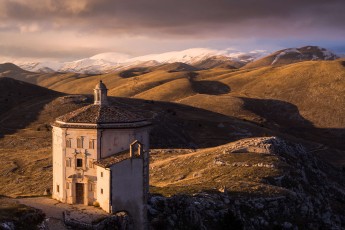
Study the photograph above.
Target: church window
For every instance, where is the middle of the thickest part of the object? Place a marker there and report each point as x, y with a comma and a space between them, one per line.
79, 162
80, 142
91, 166
68, 143
68, 162
57, 188
91, 144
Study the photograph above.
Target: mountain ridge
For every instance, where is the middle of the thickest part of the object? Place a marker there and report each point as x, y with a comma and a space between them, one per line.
202, 58
112, 61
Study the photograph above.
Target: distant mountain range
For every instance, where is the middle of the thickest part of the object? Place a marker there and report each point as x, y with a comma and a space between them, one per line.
201, 58
109, 62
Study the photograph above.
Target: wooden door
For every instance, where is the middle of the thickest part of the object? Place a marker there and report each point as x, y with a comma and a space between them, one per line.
79, 193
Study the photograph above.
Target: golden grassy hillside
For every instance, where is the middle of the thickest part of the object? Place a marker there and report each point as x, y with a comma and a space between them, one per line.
303, 99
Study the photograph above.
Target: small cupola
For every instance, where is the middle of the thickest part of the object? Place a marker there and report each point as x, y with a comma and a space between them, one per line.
100, 94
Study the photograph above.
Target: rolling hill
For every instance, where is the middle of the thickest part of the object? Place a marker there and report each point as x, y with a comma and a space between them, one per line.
302, 99
242, 139
293, 55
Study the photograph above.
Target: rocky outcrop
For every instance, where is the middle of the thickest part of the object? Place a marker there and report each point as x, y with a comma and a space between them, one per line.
314, 196
118, 221
17, 216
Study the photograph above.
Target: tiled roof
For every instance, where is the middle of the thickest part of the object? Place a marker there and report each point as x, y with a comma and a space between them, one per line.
108, 161
97, 114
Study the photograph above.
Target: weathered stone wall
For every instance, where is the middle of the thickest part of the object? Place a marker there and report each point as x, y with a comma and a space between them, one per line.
58, 163
128, 193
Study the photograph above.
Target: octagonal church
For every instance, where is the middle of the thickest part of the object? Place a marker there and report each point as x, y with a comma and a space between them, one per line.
101, 155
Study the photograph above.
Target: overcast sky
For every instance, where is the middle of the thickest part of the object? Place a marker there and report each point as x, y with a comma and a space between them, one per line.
71, 29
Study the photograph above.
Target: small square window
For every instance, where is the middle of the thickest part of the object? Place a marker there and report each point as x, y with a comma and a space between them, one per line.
79, 162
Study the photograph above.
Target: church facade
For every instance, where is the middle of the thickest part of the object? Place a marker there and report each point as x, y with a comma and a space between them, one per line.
101, 156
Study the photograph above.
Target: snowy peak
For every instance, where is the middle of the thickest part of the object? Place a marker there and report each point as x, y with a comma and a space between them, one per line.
112, 61
292, 55
201, 58
306, 53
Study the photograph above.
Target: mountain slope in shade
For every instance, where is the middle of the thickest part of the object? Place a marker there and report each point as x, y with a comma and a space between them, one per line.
11, 68
14, 92
110, 62
293, 55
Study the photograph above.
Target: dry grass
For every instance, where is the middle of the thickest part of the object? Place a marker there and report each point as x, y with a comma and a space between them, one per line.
211, 169
308, 95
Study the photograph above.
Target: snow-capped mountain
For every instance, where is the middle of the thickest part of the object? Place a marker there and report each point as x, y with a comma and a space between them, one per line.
202, 58
108, 62
292, 55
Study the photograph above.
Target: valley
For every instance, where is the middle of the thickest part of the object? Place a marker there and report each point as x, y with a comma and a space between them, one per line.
258, 132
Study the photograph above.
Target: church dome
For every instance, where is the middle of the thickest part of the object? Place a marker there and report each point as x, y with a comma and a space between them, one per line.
101, 115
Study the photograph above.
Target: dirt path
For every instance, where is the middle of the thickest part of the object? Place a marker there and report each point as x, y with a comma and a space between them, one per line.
54, 209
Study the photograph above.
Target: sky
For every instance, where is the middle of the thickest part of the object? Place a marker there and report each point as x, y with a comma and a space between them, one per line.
72, 29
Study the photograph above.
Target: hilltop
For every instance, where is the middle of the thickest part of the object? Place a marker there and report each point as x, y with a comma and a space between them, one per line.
112, 61
293, 55
302, 99
205, 145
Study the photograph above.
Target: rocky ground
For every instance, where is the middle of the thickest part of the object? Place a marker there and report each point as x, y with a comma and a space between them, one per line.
312, 195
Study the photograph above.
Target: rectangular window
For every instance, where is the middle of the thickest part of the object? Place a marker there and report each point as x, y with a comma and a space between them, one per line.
101, 191
101, 174
68, 143
68, 162
91, 166
79, 162
92, 144
80, 143
57, 188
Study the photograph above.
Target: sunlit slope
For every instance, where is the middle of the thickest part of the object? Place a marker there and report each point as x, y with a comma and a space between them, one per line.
316, 88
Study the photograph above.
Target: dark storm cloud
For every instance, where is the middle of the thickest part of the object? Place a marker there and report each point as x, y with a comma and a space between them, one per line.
175, 16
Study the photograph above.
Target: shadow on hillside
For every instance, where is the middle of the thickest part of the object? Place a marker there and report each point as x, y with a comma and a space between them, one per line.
210, 87
133, 72
21, 103
182, 126
206, 86
175, 125
22, 115
285, 117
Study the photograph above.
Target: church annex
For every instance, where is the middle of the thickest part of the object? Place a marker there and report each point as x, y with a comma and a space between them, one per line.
101, 156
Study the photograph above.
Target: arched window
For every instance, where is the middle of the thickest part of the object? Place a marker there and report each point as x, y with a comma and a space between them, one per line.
80, 141
68, 143
92, 144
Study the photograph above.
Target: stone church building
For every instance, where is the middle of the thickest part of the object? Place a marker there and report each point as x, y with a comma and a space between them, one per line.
101, 156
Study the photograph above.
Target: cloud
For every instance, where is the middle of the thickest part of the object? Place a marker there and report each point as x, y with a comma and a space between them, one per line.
173, 16
183, 20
